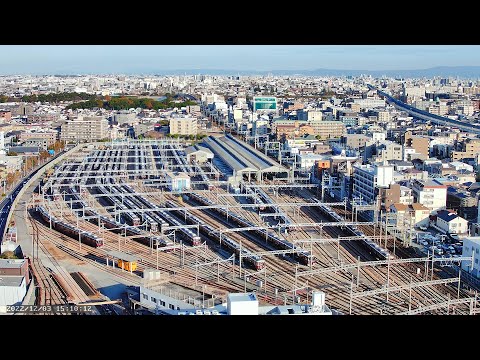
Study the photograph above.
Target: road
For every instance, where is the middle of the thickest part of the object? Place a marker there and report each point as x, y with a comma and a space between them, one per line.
424, 115
6, 204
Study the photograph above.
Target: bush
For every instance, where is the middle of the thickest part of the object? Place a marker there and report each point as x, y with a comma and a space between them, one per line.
8, 255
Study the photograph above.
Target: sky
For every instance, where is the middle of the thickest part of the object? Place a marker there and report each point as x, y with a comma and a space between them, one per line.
138, 59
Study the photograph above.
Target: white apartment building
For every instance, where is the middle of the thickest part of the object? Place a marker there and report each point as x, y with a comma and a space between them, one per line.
366, 178
87, 128
183, 126
471, 245
430, 193
311, 115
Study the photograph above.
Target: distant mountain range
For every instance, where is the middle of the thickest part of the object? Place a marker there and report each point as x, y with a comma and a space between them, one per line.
444, 71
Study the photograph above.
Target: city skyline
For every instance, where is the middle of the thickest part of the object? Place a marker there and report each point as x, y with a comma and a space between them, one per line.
145, 59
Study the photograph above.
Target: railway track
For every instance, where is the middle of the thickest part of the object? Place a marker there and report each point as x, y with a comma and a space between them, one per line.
282, 282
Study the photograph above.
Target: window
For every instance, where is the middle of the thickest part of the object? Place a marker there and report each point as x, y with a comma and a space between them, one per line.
476, 250
476, 261
145, 296
171, 307
162, 303
153, 299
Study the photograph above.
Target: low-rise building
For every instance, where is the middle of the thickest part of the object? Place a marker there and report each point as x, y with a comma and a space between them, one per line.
451, 223
412, 215
198, 153
177, 181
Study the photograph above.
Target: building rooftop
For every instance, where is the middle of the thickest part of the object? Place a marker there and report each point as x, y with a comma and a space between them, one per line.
446, 215
11, 280
418, 206
11, 263
24, 149
430, 183
121, 255
475, 239
240, 156
197, 147
242, 297
400, 206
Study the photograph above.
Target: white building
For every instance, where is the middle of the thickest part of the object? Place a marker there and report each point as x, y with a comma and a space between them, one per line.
378, 136
242, 304
369, 103
309, 115
471, 245
430, 193
450, 222
177, 181
307, 161
366, 178
87, 128
12, 291
458, 165
2, 143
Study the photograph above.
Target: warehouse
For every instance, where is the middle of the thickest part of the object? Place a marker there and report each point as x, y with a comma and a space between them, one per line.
198, 153
243, 159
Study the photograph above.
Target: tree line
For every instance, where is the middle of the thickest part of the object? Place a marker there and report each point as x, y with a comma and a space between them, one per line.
124, 103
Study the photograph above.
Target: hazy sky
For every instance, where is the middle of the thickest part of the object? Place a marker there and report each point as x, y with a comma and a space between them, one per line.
80, 59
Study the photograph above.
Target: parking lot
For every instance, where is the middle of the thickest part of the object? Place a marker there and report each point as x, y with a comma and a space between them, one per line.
440, 244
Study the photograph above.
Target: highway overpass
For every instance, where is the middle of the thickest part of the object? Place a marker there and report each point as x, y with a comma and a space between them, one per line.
424, 115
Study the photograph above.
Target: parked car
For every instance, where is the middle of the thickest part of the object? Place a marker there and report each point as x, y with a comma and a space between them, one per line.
453, 237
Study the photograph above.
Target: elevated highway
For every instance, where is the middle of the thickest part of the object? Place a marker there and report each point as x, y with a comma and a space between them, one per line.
424, 115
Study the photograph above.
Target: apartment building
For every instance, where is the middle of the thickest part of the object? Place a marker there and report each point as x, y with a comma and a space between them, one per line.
183, 126
309, 115
49, 136
469, 148
420, 144
411, 215
328, 129
87, 128
367, 178
430, 193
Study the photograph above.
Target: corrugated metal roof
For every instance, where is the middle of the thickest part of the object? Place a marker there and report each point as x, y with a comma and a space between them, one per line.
241, 156
230, 160
121, 255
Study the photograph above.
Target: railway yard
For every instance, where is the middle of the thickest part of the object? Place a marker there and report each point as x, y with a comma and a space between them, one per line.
263, 233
